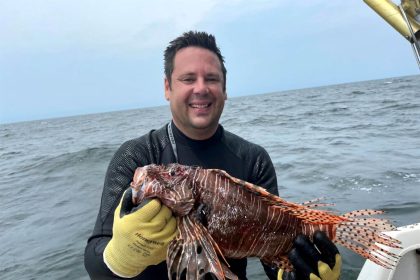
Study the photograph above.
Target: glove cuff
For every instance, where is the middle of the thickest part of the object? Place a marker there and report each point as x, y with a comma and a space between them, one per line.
118, 264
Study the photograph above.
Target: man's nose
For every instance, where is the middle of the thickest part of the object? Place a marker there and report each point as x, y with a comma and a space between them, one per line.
201, 86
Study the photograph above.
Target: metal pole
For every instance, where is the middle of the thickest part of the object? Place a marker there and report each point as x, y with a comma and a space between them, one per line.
414, 43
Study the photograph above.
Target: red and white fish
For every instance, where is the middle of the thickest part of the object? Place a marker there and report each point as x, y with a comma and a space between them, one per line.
220, 217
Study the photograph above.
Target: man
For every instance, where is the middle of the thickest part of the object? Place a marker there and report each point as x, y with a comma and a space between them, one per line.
132, 243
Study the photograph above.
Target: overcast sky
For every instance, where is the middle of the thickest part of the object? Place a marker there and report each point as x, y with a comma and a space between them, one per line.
60, 58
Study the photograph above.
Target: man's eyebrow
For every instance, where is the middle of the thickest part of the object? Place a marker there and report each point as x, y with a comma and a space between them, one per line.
187, 74
214, 74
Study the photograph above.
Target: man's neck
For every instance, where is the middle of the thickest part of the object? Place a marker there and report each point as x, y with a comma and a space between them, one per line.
196, 133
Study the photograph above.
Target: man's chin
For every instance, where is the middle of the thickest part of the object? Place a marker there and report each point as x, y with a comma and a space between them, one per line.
203, 125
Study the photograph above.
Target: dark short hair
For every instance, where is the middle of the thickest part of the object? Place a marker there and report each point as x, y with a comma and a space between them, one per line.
192, 39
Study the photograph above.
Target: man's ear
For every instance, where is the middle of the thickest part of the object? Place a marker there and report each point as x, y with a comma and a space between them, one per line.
167, 89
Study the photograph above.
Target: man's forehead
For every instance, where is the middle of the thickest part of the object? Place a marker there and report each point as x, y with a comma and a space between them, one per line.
192, 54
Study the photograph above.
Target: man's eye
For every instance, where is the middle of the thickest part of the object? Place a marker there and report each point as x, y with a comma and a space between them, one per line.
213, 79
187, 80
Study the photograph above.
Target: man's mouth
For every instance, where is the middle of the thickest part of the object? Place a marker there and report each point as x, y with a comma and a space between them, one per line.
200, 106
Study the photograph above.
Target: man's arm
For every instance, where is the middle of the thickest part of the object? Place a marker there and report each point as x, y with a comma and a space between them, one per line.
118, 177
265, 176
263, 172
141, 235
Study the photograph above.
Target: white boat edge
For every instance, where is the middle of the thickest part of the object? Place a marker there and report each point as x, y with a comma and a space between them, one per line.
408, 266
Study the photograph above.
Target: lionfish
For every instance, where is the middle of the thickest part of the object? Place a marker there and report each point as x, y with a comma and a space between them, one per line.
221, 217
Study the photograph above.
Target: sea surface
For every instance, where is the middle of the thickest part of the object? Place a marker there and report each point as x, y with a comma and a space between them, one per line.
357, 145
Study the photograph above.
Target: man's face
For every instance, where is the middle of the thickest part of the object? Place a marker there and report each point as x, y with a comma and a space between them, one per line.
196, 92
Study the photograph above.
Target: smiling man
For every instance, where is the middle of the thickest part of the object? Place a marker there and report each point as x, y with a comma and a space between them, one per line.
131, 242
196, 91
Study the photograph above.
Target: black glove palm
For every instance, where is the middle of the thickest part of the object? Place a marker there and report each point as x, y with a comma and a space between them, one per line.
322, 262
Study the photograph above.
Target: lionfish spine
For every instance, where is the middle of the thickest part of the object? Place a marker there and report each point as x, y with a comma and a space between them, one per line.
315, 203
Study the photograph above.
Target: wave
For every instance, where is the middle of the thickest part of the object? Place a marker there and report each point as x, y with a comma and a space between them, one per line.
7, 135
342, 127
358, 92
46, 164
10, 155
338, 109
404, 176
388, 101
402, 208
404, 106
359, 183
404, 87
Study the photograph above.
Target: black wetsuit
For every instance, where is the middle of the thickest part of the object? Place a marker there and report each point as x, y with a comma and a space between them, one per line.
223, 150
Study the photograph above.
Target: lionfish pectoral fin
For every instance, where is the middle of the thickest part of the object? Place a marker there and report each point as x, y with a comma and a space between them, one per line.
194, 253
364, 235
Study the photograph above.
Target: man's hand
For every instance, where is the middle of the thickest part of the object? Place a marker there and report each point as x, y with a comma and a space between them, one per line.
322, 262
140, 236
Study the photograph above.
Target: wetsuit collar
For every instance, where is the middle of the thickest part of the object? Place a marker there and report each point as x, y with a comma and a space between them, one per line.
176, 136
181, 138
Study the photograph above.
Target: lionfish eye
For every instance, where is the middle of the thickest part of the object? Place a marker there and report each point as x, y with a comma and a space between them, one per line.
172, 172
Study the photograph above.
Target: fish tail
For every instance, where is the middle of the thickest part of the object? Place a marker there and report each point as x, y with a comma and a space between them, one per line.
364, 236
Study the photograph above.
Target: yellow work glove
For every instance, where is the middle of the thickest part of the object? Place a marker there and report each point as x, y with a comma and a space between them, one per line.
320, 263
140, 236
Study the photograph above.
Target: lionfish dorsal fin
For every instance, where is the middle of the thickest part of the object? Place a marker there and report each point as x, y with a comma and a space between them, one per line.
194, 254
261, 192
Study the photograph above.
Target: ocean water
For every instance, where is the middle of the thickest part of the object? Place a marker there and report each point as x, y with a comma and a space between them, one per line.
356, 144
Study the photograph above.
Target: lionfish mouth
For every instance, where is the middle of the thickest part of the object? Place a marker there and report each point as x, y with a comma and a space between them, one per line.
138, 192
138, 185
144, 189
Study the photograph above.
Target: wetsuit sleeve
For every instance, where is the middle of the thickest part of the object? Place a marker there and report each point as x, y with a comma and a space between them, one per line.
265, 176
117, 179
